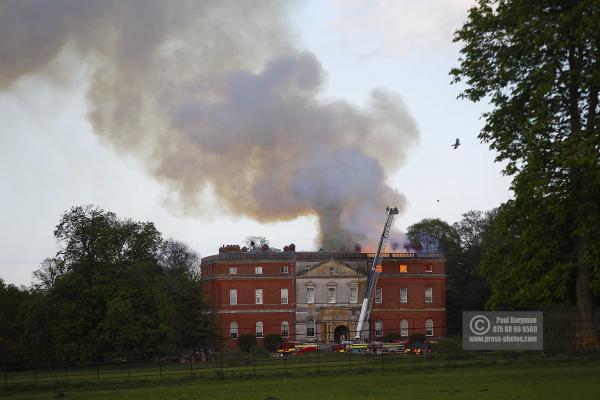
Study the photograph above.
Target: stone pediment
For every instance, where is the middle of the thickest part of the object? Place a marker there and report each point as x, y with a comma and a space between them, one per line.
331, 269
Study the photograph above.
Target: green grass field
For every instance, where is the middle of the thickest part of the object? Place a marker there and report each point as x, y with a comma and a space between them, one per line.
572, 380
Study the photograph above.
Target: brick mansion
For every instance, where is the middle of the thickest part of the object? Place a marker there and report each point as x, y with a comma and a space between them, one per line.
317, 296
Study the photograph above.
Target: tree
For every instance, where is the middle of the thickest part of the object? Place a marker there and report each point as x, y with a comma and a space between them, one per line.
115, 288
537, 63
90, 234
50, 270
256, 242
11, 299
177, 256
441, 237
474, 288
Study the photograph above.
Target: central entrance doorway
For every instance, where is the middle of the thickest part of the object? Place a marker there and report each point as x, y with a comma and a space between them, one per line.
340, 334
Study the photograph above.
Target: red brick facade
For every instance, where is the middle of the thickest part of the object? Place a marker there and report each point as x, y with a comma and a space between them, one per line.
248, 292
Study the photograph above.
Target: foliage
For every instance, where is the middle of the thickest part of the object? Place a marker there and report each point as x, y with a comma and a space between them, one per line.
391, 337
115, 289
11, 299
462, 245
246, 342
272, 341
537, 63
418, 337
256, 242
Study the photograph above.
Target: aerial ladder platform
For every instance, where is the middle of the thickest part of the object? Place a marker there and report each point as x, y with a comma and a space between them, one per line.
374, 272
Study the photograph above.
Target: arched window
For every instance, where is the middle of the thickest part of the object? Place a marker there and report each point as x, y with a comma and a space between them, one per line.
233, 330
310, 327
429, 327
404, 328
285, 329
259, 329
378, 328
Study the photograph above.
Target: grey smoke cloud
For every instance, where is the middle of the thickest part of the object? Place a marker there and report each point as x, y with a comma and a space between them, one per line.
217, 95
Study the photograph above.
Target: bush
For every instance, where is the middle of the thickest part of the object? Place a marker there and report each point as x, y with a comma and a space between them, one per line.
418, 337
246, 343
447, 345
272, 341
391, 337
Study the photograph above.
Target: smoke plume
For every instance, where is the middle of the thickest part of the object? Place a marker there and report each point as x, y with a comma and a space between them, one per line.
215, 95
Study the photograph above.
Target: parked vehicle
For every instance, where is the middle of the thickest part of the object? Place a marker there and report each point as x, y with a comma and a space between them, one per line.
418, 348
286, 348
306, 348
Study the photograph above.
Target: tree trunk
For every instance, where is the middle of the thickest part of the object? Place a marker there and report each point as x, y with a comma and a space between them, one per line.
586, 335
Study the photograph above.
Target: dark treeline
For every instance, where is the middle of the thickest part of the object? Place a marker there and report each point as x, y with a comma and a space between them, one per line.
462, 244
115, 289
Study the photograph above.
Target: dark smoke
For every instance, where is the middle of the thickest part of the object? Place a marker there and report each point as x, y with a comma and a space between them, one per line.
215, 95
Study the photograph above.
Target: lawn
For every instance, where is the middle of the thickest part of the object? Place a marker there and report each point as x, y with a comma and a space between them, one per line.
572, 381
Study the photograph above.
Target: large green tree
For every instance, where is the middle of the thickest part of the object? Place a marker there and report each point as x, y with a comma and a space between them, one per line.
462, 246
115, 288
537, 64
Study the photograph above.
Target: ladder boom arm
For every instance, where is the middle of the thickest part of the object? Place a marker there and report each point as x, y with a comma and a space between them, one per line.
373, 276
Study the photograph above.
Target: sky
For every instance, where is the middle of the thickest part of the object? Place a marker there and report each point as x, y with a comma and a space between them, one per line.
52, 156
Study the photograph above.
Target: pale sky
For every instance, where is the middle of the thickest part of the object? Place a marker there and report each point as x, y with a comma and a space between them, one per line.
50, 159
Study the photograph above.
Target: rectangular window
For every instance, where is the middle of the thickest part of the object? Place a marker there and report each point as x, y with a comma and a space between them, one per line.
310, 328
232, 270
233, 296
379, 328
233, 330
284, 296
428, 295
403, 295
353, 294
403, 268
258, 270
285, 329
283, 269
331, 295
259, 296
310, 294
429, 268
378, 295
429, 327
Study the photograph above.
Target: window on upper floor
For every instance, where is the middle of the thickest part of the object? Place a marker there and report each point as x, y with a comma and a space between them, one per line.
403, 295
283, 269
429, 268
310, 294
258, 270
284, 296
331, 294
403, 268
378, 295
353, 294
233, 296
258, 295
428, 295
232, 270
259, 329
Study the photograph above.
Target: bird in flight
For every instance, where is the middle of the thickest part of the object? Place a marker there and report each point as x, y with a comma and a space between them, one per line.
456, 144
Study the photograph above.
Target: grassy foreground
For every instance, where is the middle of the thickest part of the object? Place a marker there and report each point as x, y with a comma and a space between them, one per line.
500, 382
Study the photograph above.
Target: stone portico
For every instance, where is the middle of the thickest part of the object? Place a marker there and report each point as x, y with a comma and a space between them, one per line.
328, 300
